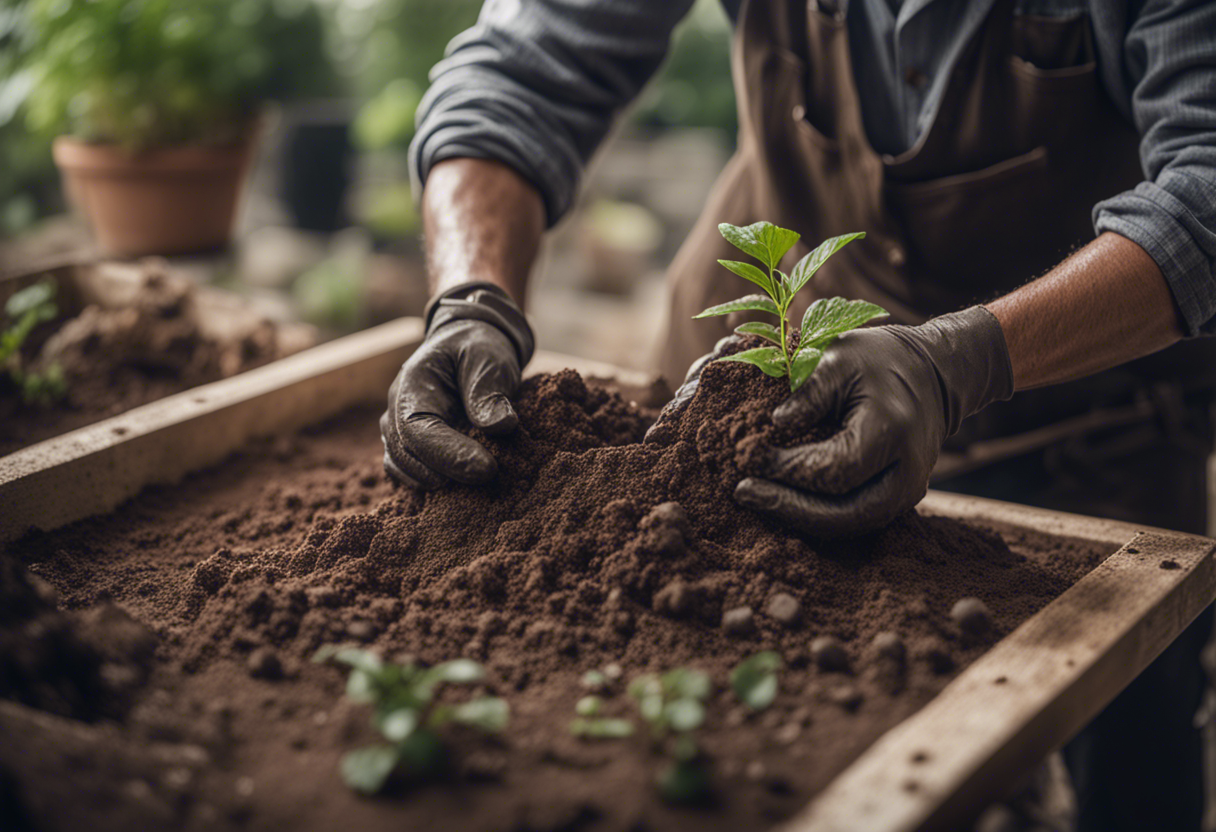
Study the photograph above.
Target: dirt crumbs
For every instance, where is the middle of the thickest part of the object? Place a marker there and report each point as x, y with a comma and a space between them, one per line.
589, 550
146, 335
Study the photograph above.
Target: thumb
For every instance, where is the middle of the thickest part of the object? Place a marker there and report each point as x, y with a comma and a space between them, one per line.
489, 375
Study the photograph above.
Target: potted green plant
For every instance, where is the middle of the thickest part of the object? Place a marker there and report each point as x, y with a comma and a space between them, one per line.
156, 103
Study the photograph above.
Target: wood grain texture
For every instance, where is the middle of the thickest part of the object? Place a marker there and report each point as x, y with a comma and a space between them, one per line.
94, 469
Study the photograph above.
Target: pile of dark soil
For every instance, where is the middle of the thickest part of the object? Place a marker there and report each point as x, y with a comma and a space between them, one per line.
588, 549
115, 358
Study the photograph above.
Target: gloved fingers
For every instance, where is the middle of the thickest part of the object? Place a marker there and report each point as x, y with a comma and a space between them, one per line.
486, 384
869, 508
400, 464
444, 450
866, 445
823, 395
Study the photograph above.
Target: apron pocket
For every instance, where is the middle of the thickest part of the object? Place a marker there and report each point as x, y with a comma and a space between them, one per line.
788, 91
975, 234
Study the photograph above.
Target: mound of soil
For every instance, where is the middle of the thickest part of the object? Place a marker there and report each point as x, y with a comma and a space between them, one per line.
157, 341
588, 549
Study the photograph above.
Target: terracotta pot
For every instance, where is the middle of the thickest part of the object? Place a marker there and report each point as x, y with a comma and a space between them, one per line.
169, 200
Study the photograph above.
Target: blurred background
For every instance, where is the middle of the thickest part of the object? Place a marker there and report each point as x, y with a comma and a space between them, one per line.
326, 226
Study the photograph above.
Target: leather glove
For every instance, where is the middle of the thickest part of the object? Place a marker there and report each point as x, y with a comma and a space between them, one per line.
477, 343
898, 392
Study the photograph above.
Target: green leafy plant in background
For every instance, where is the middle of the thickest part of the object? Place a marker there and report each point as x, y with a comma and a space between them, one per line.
754, 680
824, 320
673, 706
24, 311
145, 73
406, 713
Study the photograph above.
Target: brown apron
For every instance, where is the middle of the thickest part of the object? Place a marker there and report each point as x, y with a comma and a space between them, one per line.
998, 190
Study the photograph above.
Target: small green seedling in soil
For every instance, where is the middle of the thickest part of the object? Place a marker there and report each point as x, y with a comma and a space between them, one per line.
24, 311
673, 706
407, 715
592, 724
824, 320
754, 680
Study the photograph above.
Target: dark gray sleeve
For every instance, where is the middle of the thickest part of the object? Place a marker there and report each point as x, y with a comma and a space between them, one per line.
536, 84
1169, 64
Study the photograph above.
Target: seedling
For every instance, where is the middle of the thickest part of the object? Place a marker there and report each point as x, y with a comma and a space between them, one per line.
406, 713
590, 723
24, 311
754, 680
672, 705
824, 320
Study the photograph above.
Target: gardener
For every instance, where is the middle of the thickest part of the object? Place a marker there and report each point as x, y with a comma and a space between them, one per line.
976, 143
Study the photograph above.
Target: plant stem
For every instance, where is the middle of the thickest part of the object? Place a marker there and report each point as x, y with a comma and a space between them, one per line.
783, 306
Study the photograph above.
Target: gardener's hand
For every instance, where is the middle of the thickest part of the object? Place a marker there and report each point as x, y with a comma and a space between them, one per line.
477, 342
899, 392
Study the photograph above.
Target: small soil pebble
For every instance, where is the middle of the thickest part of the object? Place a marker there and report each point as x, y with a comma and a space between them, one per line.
670, 514
675, 600
264, 663
848, 697
740, 621
934, 652
785, 608
972, 616
829, 654
788, 733
889, 646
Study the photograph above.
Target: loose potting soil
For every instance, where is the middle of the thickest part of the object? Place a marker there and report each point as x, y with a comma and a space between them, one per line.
588, 550
115, 359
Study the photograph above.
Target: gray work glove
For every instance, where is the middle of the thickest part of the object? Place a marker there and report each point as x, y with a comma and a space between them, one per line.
477, 343
898, 392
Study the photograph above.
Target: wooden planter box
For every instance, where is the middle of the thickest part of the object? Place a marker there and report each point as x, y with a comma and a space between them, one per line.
1025, 697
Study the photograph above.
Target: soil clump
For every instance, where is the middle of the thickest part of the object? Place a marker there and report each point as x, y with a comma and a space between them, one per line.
589, 549
159, 340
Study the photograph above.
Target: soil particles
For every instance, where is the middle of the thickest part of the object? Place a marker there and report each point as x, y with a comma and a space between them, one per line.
589, 550
115, 359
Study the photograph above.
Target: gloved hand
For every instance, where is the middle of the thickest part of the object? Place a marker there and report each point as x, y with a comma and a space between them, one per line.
477, 343
898, 391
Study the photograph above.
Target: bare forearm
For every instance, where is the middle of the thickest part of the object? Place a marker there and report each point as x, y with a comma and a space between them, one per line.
1105, 305
483, 222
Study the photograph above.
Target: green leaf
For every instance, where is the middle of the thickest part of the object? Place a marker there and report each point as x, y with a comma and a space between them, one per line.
29, 299
807, 266
458, 671
768, 359
684, 714
398, 724
366, 769
804, 362
751, 303
686, 683
762, 329
351, 657
749, 272
594, 679
489, 713
754, 680
648, 691
614, 729
588, 706
762, 240
828, 317
361, 686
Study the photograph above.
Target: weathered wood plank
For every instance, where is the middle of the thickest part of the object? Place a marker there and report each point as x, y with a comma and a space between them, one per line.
94, 469
1032, 691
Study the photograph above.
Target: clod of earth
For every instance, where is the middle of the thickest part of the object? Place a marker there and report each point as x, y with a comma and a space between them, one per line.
830, 655
972, 616
785, 608
739, 622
